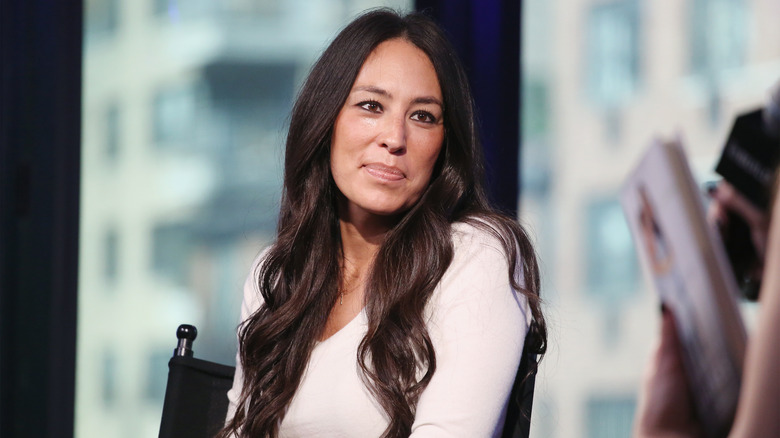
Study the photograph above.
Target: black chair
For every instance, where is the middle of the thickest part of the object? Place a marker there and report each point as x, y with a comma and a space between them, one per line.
196, 396
518, 412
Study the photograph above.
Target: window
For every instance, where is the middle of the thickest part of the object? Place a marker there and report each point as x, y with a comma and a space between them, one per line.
251, 100
112, 133
109, 387
252, 9
157, 374
718, 41
163, 7
536, 152
175, 9
174, 116
718, 35
610, 260
171, 248
612, 52
102, 17
536, 107
610, 417
111, 255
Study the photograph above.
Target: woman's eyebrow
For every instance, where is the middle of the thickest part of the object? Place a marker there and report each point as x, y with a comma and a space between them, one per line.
373, 89
428, 100
383, 92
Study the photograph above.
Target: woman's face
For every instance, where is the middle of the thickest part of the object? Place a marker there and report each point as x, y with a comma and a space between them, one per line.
389, 132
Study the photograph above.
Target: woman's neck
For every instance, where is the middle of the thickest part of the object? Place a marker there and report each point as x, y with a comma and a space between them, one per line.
360, 243
362, 233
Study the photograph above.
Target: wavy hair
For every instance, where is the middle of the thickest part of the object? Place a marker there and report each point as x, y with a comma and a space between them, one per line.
300, 274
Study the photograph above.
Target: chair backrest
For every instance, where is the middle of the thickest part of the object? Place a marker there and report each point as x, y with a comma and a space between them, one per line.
196, 394
521, 399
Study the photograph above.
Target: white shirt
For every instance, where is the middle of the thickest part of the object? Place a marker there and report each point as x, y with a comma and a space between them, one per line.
477, 324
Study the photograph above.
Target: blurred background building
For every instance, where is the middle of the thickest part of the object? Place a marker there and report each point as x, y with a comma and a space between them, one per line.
601, 78
185, 105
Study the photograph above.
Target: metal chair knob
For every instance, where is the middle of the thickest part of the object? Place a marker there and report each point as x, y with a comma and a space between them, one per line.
186, 334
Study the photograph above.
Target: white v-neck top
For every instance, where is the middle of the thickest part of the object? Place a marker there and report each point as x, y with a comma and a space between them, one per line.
477, 323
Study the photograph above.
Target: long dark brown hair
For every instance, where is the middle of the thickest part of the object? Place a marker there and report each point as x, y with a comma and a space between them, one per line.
300, 274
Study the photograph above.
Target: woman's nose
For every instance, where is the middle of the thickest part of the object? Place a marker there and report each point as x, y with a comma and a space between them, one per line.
394, 135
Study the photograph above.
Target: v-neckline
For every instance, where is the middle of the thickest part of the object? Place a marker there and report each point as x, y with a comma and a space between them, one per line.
343, 329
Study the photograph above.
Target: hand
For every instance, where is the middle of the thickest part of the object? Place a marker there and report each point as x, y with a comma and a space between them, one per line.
744, 229
725, 199
666, 405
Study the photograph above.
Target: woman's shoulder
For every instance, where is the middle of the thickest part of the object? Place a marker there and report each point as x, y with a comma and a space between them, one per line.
480, 274
257, 266
480, 236
261, 258
481, 251
253, 299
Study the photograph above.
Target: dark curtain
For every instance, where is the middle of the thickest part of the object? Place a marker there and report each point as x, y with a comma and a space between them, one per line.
486, 34
40, 122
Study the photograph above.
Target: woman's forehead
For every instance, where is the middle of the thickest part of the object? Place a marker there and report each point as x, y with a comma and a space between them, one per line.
398, 66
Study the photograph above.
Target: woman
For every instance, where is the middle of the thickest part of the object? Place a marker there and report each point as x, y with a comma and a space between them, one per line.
394, 300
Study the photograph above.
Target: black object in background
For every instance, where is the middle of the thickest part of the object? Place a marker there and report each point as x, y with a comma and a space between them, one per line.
749, 163
742, 254
750, 158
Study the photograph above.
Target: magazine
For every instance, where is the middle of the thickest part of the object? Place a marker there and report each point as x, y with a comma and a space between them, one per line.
688, 267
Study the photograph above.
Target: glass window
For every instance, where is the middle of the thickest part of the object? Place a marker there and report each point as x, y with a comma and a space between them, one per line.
170, 252
536, 105
112, 132
110, 373
712, 52
189, 102
157, 374
163, 7
176, 10
111, 256
174, 115
102, 17
610, 260
537, 177
610, 417
613, 51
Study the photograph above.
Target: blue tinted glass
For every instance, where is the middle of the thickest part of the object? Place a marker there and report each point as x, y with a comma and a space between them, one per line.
609, 417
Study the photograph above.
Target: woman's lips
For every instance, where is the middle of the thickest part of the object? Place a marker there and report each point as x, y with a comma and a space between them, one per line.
386, 173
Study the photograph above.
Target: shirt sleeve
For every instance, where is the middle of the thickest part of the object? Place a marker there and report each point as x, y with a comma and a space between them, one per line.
478, 326
249, 305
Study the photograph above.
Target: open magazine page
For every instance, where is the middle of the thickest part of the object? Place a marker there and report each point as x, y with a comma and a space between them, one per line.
686, 263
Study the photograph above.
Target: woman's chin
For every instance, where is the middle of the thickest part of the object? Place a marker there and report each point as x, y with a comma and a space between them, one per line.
378, 213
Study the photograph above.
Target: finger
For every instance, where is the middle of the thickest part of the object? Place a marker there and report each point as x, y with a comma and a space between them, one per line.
717, 216
731, 199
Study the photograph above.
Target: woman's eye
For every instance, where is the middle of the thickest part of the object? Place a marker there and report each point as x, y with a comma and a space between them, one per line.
424, 116
371, 105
